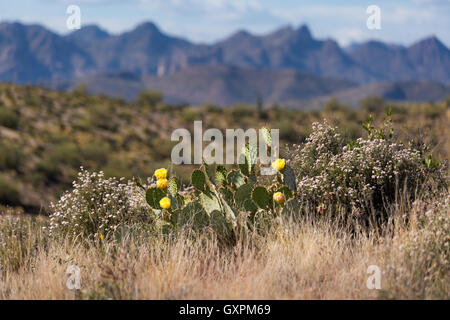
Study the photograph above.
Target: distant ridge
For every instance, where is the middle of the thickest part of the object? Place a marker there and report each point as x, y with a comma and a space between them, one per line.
289, 56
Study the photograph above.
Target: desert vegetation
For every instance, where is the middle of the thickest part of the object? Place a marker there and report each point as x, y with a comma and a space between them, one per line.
352, 188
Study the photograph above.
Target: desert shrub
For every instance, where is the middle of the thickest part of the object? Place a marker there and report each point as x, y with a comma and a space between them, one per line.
162, 148
149, 98
47, 168
364, 176
333, 105
240, 111
8, 118
190, 115
287, 131
66, 153
9, 193
432, 110
96, 207
96, 152
211, 108
118, 166
100, 116
372, 103
11, 156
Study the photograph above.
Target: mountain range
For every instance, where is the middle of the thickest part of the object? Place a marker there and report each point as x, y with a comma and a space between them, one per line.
286, 65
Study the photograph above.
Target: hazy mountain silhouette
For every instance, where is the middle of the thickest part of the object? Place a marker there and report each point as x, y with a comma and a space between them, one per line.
233, 69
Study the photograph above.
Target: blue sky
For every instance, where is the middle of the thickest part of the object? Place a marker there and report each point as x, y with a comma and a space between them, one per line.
402, 21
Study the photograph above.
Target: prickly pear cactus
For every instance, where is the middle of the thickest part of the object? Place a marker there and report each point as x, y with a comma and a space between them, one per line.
289, 178
210, 172
227, 200
209, 202
198, 180
236, 178
243, 198
153, 196
261, 197
173, 186
221, 176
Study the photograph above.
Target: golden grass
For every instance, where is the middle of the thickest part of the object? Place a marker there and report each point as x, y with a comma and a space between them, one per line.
293, 261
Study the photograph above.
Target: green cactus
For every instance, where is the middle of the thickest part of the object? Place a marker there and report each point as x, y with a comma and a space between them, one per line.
247, 159
221, 175
173, 186
193, 213
243, 198
176, 202
198, 180
153, 196
219, 223
286, 191
225, 200
227, 195
229, 214
244, 166
210, 202
252, 178
236, 178
210, 170
261, 197
289, 178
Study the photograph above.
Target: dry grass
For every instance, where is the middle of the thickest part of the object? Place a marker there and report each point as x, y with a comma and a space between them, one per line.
295, 260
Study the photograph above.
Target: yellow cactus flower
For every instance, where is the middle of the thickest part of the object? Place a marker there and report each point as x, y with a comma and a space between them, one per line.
161, 173
165, 203
279, 164
102, 237
279, 197
162, 183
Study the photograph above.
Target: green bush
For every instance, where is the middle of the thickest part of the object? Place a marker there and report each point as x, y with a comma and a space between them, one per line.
238, 112
100, 116
9, 193
49, 169
96, 152
66, 153
372, 103
11, 156
190, 115
9, 118
149, 98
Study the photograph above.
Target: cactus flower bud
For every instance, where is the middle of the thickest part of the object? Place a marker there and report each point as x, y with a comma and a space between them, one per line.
279, 197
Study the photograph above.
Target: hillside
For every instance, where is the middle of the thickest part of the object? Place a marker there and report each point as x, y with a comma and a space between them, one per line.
45, 136
229, 85
221, 85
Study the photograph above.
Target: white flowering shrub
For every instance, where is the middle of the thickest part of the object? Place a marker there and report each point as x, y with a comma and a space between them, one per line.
419, 260
363, 177
97, 206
